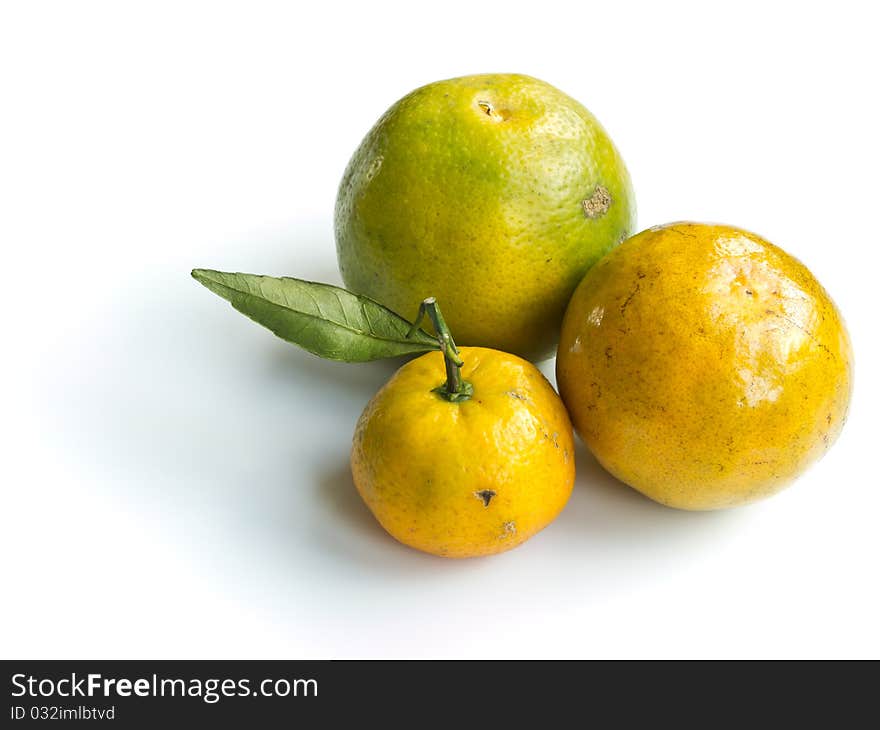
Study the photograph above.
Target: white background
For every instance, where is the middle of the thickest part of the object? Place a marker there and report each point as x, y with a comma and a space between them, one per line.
175, 479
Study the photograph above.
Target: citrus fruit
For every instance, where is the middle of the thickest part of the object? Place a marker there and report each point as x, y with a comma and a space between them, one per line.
466, 477
704, 366
494, 192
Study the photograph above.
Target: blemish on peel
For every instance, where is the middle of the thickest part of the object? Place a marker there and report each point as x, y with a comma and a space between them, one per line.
598, 203
374, 167
485, 495
629, 298
490, 111
508, 529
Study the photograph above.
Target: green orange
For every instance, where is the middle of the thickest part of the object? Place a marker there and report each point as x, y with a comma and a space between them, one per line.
494, 193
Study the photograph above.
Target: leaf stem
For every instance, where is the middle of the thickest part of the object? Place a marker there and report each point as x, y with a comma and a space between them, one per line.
455, 389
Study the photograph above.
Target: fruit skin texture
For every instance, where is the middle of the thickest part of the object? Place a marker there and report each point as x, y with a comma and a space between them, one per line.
473, 190
704, 366
471, 478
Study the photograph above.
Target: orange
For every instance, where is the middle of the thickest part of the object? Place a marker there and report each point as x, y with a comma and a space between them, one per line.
704, 366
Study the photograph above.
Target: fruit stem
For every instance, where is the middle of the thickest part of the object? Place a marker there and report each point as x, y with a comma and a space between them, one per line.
455, 389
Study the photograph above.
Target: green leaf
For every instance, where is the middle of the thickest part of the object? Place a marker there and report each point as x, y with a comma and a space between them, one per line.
325, 320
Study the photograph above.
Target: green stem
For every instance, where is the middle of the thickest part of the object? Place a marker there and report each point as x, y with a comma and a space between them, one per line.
455, 389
